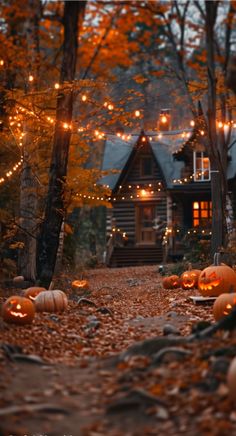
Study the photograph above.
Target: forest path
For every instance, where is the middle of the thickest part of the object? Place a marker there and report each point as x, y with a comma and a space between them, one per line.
83, 387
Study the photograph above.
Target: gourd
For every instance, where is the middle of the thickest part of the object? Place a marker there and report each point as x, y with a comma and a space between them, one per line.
18, 310
171, 282
32, 292
217, 279
51, 301
223, 305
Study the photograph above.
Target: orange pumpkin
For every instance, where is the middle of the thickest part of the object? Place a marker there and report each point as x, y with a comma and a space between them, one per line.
80, 285
32, 292
51, 301
189, 279
18, 310
217, 279
223, 305
171, 282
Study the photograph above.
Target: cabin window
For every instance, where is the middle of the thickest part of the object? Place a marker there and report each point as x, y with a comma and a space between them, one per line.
202, 213
146, 166
201, 166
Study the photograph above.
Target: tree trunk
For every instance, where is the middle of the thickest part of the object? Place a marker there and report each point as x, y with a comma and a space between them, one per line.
28, 193
216, 149
49, 235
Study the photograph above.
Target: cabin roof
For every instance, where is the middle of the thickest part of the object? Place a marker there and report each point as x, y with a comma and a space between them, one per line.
117, 152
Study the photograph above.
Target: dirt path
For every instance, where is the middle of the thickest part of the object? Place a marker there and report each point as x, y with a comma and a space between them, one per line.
83, 389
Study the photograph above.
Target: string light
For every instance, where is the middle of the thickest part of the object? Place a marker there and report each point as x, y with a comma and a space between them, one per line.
31, 78
11, 171
137, 113
84, 97
56, 86
1, 62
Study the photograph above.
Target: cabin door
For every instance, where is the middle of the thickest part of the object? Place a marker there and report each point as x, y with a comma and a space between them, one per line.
145, 234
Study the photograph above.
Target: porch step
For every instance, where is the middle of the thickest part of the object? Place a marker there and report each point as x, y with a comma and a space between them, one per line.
134, 256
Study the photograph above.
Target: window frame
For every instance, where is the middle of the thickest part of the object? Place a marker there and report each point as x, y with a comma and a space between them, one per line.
142, 159
202, 177
198, 218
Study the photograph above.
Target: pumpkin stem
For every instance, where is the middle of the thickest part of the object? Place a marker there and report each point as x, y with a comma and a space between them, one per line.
216, 260
189, 266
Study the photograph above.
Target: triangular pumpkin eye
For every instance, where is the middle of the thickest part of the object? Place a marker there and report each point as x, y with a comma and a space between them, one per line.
212, 275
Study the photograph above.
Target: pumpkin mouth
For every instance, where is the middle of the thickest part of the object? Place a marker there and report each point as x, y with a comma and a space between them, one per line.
188, 284
210, 285
18, 314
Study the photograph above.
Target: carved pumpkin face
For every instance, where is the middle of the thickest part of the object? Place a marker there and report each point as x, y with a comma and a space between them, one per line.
216, 280
189, 279
32, 292
80, 284
18, 310
223, 305
171, 282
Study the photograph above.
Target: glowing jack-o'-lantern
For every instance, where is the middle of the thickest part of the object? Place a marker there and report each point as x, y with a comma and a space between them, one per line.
32, 292
217, 279
223, 305
80, 285
171, 282
189, 279
18, 310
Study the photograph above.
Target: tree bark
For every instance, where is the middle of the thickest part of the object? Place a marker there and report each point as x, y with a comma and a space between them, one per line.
28, 184
217, 151
50, 230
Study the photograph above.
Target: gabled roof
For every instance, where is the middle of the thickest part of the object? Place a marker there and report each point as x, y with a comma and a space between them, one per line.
117, 152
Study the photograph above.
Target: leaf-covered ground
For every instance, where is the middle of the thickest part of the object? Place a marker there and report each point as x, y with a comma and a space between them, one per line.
87, 384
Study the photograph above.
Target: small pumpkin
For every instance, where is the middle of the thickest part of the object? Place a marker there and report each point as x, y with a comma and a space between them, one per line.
51, 301
189, 278
223, 305
79, 285
32, 292
171, 282
18, 310
217, 279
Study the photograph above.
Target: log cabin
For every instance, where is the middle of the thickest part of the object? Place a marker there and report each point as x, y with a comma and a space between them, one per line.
161, 191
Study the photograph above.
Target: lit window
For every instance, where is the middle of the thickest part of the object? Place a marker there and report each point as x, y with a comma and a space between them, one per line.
201, 166
202, 213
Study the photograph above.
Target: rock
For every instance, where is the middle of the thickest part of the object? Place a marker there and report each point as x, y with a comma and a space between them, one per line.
169, 329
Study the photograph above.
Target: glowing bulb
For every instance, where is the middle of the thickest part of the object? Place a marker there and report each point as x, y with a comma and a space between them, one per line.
66, 126
1, 62
110, 107
84, 97
163, 119
192, 123
202, 132
137, 113
31, 78
220, 124
56, 86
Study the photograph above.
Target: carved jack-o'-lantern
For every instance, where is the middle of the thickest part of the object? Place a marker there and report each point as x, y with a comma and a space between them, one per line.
18, 310
189, 279
80, 285
32, 292
171, 282
217, 279
223, 305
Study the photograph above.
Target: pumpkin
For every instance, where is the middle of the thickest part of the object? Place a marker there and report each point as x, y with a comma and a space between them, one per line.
217, 279
18, 310
223, 305
32, 292
231, 379
171, 282
80, 285
189, 278
51, 301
